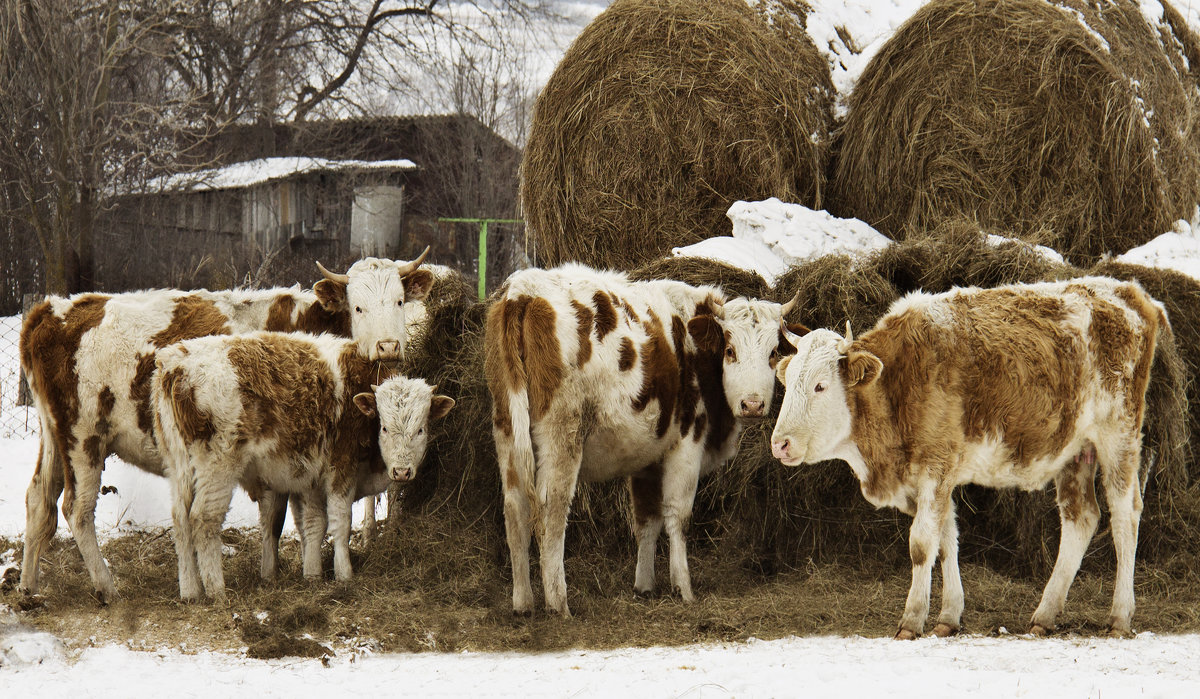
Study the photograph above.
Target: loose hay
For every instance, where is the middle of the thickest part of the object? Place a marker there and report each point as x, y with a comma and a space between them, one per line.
1012, 113
661, 115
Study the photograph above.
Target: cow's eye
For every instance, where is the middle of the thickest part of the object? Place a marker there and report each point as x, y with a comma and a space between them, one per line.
819, 387
400, 302
421, 431
730, 354
384, 430
358, 309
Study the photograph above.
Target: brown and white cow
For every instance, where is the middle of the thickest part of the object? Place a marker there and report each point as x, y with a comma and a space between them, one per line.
1007, 387
290, 413
88, 361
596, 377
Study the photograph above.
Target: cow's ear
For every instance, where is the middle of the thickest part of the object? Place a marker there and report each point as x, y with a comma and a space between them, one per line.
439, 406
707, 333
366, 403
331, 295
781, 368
417, 285
798, 329
860, 368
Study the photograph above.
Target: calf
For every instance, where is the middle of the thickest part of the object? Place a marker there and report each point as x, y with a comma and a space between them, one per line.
291, 413
88, 361
1013, 386
594, 376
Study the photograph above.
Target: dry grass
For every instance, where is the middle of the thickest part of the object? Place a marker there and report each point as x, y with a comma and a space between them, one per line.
1010, 113
421, 589
661, 115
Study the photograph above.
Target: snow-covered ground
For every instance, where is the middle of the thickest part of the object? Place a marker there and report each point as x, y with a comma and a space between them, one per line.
33, 663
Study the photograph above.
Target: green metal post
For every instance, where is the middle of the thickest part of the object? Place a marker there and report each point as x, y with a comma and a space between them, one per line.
483, 259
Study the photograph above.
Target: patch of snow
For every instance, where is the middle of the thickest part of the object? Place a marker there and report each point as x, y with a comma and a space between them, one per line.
1177, 249
22, 647
255, 172
1086, 27
771, 236
986, 668
745, 254
850, 32
1048, 253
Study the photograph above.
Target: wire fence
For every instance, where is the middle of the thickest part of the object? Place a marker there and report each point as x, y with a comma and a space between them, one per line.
18, 419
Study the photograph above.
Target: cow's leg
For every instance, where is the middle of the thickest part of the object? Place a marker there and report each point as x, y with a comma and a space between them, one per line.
1123, 491
646, 492
680, 473
272, 513
314, 524
191, 589
923, 543
1079, 514
952, 589
214, 490
369, 523
88, 468
41, 510
339, 509
557, 475
517, 515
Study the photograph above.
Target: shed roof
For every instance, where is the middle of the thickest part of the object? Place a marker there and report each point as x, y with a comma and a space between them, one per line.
262, 170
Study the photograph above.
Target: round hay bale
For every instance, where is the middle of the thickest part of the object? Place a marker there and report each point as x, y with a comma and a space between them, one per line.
659, 117
1016, 115
698, 271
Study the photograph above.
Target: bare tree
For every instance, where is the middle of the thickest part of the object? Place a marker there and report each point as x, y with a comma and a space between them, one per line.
69, 128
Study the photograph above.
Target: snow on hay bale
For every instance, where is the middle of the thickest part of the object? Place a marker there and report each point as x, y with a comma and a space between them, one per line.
662, 114
1070, 125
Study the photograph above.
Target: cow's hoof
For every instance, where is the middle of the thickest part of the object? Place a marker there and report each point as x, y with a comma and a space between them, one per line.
943, 630
643, 594
906, 635
523, 613
1039, 630
1119, 633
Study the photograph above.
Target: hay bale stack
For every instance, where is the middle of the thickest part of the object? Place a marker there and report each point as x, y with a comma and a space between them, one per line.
661, 115
1014, 114
699, 270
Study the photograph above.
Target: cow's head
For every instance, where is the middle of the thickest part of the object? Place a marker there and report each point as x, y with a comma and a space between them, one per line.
749, 336
405, 408
373, 292
815, 417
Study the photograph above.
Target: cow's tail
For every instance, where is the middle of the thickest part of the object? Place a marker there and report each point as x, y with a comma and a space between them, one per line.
170, 422
508, 380
1166, 427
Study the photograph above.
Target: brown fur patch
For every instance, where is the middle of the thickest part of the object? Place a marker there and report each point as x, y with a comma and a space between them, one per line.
626, 355
194, 423
48, 347
606, 315
191, 317
1075, 490
279, 315
645, 489
660, 374
583, 318
356, 436
315, 318
543, 362
501, 362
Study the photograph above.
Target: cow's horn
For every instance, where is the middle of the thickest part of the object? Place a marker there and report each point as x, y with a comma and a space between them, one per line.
406, 268
787, 307
844, 345
331, 276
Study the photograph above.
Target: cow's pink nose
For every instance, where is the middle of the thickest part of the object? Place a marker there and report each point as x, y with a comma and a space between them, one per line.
752, 407
402, 474
780, 449
388, 348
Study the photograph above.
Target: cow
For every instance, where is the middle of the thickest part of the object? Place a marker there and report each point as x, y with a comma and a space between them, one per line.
1014, 386
594, 376
290, 413
88, 360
